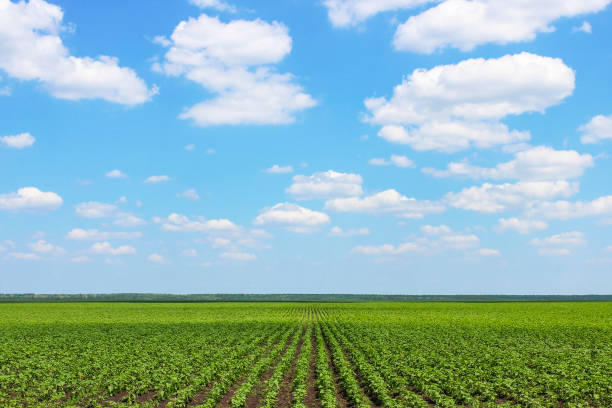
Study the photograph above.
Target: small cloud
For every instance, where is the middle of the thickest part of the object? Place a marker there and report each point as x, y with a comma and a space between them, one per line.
395, 160
157, 258
80, 259
339, 232
161, 40
238, 256
488, 252
190, 194
190, 147
218, 5
554, 251
105, 248
276, 169
23, 256
42, 246
20, 141
210, 150
157, 179
585, 28
114, 174
363, 138
608, 248
189, 253
83, 183
122, 200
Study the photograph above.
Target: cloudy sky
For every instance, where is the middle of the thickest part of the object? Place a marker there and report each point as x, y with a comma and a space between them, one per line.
353, 146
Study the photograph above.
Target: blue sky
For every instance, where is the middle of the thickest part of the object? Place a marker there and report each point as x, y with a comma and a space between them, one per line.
353, 146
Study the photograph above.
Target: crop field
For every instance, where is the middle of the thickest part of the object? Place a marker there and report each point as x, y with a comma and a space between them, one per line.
315, 355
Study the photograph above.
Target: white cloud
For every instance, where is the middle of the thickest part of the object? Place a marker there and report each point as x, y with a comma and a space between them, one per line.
435, 230
465, 24
537, 163
20, 141
94, 209
398, 161
115, 174
292, 217
487, 252
343, 13
42, 246
276, 169
157, 179
599, 128
387, 249
565, 209
178, 222
189, 194
491, 198
585, 28
189, 253
80, 259
572, 238
210, 151
234, 61
554, 251
238, 256
328, 184
190, 147
214, 4
452, 107
105, 248
32, 50
30, 198
79, 234
23, 256
388, 201
608, 248
522, 226
339, 232
157, 258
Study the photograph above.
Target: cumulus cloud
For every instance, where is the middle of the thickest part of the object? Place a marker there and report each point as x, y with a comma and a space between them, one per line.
452, 107
339, 232
157, 179
105, 248
182, 223
189, 194
388, 201
276, 169
328, 184
537, 163
599, 128
30, 198
395, 160
238, 256
42, 246
157, 258
31, 50
465, 24
435, 230
235, 61
20, 141
492, 198
387, 249
95, 209
292, 217
214, 4
564, 210
79, 234
116, 174
572, 238
522, 226
344, 13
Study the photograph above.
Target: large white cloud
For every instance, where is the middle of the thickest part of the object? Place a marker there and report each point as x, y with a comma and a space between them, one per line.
465, 24
235, 61
597, 129
328, 184
343, 13
20, 141
452, 107
292, 217
31, 49
537, 163
30, 198
492, 198
388, 201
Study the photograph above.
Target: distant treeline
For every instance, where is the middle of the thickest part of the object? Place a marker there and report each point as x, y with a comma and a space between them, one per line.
154, 297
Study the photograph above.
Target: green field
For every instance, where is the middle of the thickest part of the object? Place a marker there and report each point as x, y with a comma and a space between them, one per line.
531, 354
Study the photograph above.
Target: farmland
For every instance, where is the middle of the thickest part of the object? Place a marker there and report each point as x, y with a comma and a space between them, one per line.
322, 355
